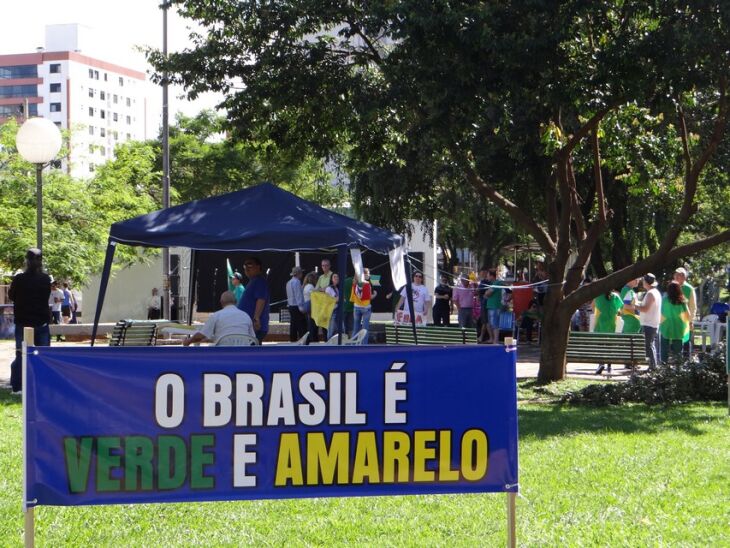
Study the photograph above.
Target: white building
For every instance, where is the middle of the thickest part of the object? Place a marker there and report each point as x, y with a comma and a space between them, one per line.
103, 104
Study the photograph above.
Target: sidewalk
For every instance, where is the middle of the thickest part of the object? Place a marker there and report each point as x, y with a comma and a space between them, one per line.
527, 363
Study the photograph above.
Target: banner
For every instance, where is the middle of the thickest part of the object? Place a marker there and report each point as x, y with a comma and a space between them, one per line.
133, 425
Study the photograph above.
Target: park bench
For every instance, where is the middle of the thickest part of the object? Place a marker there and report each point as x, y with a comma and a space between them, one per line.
132, 333
403, 334
624, 348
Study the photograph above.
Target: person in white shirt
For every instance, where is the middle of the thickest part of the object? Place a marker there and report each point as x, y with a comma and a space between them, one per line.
154, 306
227, 321
650, 316
421, 297
295, 304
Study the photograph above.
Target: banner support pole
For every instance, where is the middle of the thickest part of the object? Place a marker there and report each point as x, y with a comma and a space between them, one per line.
29, 513
511, 520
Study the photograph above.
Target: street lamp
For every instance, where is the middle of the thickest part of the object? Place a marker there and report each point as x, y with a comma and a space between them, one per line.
38, 141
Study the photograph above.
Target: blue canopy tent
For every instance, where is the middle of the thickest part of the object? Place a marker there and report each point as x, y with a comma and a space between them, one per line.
260, 218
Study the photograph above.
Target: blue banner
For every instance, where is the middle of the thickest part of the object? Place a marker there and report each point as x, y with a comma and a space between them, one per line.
132, 425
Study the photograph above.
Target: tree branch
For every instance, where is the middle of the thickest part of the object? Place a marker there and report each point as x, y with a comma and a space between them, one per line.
685, 142
583, 131
514, 211
357, 30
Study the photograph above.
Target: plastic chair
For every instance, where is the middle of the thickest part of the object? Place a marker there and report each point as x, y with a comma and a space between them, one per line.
358, 339
333, 340
237, 339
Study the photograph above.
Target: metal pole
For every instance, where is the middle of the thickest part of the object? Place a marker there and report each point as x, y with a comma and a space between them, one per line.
39, 206
167, 304
28, 511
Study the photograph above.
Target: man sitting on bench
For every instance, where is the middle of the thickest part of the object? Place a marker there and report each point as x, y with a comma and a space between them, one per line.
227, 321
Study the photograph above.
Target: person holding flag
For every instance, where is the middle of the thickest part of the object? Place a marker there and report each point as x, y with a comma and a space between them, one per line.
235, 282
362, 294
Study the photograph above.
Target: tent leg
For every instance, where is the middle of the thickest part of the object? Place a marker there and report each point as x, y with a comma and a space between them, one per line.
111, 247
342, 268
29, 527
409, 295
193, 280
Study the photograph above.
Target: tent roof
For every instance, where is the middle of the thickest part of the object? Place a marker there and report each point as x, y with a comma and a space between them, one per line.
260, 218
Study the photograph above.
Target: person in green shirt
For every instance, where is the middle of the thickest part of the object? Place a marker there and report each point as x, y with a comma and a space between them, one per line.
674, 326
491, 307
605, 311
235, 285
628, 314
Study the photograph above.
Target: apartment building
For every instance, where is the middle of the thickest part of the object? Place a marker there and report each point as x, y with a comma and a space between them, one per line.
102, 103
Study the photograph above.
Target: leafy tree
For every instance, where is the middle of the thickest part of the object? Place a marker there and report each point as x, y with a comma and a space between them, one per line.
517, 99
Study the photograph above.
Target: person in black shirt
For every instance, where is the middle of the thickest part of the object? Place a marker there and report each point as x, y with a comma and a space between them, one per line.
29, 292
442, 302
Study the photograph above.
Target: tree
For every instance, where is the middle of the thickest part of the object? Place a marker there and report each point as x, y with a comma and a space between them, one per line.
76, 213
514, 97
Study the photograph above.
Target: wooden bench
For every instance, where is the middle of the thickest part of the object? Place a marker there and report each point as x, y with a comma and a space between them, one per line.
625, 348
403, 334
131, 333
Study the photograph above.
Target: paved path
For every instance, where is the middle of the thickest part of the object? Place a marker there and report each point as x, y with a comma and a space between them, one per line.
527, 363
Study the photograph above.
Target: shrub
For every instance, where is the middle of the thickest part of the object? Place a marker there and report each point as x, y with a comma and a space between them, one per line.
705, 380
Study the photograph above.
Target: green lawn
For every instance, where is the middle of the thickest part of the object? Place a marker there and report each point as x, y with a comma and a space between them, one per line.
629, 476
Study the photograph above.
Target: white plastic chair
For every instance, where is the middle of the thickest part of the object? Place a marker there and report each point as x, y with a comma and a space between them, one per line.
358, 339
333, 340
237, 339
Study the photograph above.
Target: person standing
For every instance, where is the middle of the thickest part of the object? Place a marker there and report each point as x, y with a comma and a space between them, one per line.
649, 310
30, 291
349, 307
333, 290
605, 310
674, 327
67, 304
309, 281
421, 300
690, 296
361, 297
154, 305
235, 285
255, 300
463, 298
491, 306
295, 304
442, 294
323, 281
55, 302
628, 314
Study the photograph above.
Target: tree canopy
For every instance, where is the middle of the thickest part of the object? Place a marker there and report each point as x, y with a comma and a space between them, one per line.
586, 122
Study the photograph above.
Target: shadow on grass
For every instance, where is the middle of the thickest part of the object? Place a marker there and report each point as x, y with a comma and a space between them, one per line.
545, 420
6, 396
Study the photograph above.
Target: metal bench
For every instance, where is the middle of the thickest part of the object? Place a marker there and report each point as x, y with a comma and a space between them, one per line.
624, 348
132, 333
403, 334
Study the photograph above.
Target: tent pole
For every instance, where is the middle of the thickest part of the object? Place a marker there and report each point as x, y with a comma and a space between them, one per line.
111, 247
342, 271
409, 294
193, 279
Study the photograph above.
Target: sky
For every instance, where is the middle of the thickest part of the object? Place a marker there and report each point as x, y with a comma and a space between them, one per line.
119, 26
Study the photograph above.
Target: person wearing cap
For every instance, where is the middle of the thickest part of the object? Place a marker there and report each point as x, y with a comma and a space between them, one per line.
680, 276
295, 304
650, 315
235, 285
255, 300
29, 291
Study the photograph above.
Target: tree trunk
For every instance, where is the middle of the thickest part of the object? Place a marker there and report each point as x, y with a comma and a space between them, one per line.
554, 341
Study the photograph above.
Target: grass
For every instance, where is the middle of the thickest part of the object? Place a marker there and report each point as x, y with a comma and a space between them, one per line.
621, 476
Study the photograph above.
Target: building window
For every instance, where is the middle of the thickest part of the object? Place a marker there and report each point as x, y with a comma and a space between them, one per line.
55, 88
91, 92
129, 102
96, 75
19, 91
115, 98
91, 149
58, 124
121, 82
102, 95
128, 136
102, 132
17, 110
91, 111
92, 167
55, 107
55, 68
91, 73
115, 117
20, 71
116, 136
102, 113
91, 130
106, 76
129, 120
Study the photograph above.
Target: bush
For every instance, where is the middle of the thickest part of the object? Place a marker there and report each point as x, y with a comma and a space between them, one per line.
705, 380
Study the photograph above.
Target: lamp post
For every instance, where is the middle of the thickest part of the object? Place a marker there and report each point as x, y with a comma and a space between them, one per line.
38, 142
